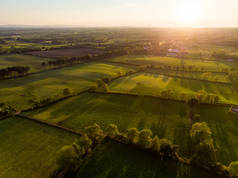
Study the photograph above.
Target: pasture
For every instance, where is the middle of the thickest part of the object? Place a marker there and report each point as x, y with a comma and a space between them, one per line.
21, 93
12, 60
210, 76
166, 119
204, 65
111, 159
28, 149
153, 84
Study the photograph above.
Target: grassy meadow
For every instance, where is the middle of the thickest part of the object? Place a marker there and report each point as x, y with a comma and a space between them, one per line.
22, 60
153, 84
111, 159
166, 119
21, 92
28, 149
207, 65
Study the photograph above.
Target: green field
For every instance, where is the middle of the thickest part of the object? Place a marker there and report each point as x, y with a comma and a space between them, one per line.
158, 61
20, 92
165, 118
153, 84
212, 76
22, 60
28, 149
224, 129
112, 159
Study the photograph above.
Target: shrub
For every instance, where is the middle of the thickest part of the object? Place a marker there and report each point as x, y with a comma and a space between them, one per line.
66, 92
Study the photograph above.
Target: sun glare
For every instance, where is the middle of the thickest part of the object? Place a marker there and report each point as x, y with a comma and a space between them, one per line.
189, 11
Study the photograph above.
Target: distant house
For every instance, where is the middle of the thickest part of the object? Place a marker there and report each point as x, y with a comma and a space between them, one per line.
234, 109
173, 52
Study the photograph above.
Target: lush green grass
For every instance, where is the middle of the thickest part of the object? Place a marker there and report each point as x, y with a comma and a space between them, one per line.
19, 92
153, 84
213, 76
112, 159
158, 60
165, 118
224, 129
28, 149
22, 60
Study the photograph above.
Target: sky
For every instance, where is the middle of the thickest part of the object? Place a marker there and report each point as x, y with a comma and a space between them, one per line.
108, 13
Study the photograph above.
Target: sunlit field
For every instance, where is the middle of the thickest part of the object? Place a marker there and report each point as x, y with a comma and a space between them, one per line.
153, 84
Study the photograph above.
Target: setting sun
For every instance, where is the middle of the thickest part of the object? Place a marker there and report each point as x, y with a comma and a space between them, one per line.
189, 11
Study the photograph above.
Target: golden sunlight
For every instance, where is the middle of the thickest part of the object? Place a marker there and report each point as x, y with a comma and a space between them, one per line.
189, 11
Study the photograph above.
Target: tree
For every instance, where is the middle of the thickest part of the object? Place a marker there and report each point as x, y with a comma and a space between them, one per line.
102, 86
66, 92
200, 132
144, 139
233, 169
94, 132
67, 158
155, 144
112, 131
132, 135
85, 143
166, 148
204, 152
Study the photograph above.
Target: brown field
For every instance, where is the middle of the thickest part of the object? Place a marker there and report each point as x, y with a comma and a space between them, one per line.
66, 52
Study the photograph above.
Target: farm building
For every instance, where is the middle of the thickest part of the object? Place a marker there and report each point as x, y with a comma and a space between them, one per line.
234, 109
173, 52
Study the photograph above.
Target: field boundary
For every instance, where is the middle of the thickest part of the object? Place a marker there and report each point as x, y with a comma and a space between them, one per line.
39, 121
157, 97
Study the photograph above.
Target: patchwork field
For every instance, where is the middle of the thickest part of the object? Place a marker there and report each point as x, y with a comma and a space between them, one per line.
153, 84
22, 60
28, 149
165, 118
67, 52
22, 92
112, 159
156, 61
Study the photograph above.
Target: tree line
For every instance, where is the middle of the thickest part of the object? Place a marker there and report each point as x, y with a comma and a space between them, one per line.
203, 151
14, 71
